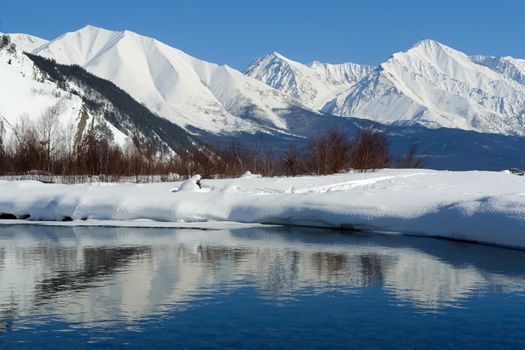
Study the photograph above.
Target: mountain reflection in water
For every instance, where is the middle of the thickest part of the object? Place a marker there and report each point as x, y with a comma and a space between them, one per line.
97, 276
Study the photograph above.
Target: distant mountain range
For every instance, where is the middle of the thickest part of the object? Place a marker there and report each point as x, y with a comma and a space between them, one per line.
430, 84
430, 89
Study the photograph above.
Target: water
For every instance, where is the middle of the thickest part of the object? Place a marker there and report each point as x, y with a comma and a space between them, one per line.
258, 288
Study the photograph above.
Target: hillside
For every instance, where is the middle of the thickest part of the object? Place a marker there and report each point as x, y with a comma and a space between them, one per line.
80, 101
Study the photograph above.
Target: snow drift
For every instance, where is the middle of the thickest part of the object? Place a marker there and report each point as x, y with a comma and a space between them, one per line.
478, 206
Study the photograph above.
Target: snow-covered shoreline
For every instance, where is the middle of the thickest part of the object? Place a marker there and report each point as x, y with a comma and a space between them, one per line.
486, 207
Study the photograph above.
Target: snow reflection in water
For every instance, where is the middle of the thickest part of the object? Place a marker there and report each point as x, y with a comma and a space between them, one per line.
98, 276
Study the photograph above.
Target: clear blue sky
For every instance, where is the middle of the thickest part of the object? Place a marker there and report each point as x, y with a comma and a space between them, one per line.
237, 31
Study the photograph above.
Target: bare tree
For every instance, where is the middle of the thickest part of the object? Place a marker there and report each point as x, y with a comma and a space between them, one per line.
370, 150
3, 155
27, 151
329, 153
51, 135
68, 146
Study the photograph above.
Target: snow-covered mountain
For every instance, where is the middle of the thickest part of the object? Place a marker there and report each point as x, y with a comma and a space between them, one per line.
312, 84
435, 85
430, 84
32, 86
410, 95
26, 95
187, 91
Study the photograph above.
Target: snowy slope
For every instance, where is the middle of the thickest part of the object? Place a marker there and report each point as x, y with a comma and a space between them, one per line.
26, 42
479, 206
25, 95
32, 86
185, 90
312, 84
437, 86
510, 67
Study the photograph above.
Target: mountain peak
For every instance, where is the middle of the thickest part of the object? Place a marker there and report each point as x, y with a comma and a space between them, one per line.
427, 50
436, 85
433, 47
427, 43
183, 89
93, 32
92, 28
89, 31
89, 27
429, 46
312, 84
278, 55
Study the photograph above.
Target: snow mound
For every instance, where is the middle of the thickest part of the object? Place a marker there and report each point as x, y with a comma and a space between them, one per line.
477, 206
249, 175
193, 184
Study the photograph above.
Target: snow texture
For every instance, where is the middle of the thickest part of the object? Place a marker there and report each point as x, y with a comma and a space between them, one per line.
477, 206
28, 95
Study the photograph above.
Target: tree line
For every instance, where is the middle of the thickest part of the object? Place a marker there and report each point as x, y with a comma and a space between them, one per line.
47, 147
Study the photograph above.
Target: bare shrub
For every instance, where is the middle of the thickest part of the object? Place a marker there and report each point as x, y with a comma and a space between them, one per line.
411, 159
293, 163
329, 153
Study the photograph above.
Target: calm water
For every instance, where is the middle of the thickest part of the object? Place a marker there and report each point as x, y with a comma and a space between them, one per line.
153, 288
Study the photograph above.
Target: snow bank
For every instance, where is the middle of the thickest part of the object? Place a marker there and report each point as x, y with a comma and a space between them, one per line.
479, 206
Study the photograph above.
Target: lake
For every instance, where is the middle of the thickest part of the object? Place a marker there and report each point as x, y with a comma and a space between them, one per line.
282, 288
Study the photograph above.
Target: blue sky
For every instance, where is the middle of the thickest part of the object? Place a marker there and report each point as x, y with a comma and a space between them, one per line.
237, 31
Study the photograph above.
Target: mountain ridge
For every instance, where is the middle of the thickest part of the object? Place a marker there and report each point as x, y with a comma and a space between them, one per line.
185, 90
430, 83
312, 84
